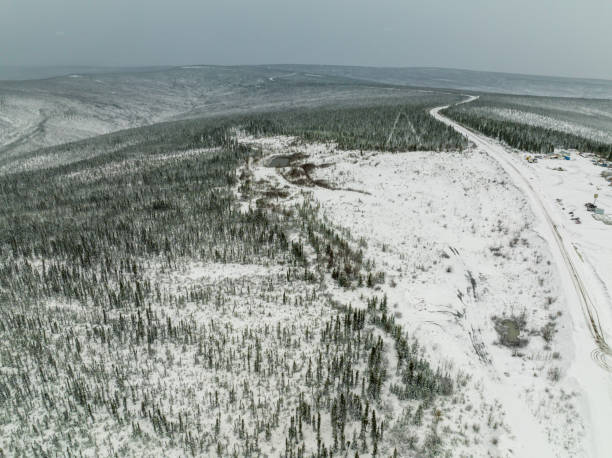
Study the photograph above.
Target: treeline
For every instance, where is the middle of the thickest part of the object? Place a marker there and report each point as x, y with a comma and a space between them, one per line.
391, 127
526, 137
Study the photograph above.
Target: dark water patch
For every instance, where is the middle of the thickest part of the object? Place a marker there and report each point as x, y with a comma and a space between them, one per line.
285, 160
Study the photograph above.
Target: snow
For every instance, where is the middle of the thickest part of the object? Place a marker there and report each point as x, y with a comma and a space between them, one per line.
463, 237
432, 220
203, 274
38, 114
549, 122
582, 255
567, 191
111, 169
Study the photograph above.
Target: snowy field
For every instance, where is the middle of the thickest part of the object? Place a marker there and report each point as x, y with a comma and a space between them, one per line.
568, 185
588, 299
459, 263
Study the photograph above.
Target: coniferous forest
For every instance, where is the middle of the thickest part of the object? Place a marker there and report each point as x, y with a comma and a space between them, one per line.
529, 125
126, 345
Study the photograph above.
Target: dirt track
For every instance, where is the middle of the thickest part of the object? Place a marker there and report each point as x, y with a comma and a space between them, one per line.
602, 354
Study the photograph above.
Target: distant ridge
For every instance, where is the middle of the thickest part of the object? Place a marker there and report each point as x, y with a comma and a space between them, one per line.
469, 80
430, 77
15, 73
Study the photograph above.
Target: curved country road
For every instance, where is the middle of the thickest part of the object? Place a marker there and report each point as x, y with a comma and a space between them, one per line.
592, 362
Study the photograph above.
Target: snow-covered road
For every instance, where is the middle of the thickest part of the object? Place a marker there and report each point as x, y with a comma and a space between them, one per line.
591, 318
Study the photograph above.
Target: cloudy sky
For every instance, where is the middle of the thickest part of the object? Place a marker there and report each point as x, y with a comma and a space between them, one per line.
550, 37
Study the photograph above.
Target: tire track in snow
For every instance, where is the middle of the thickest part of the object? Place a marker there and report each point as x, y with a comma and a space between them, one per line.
595, 383
603, 352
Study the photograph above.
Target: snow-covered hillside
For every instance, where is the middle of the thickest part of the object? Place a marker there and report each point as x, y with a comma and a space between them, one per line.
464, 264
39, 113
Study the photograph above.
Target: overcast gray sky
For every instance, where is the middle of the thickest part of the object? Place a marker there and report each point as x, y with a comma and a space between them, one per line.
550, 37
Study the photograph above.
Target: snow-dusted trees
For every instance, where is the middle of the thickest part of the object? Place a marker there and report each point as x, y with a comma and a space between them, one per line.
522, 135
401, 126
106, 343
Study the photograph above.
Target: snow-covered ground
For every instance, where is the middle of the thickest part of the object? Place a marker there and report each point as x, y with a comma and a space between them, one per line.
567, 186
583, 259
462, 249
